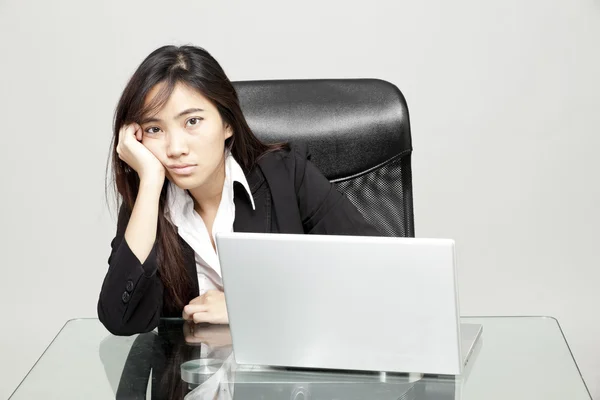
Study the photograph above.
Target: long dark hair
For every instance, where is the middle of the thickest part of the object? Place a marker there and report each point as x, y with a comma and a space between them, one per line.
196, 68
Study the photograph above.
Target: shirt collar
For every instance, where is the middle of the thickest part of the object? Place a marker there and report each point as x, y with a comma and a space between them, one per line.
180, 203
234, 170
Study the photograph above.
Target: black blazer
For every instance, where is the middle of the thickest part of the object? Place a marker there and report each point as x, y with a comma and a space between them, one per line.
290, 196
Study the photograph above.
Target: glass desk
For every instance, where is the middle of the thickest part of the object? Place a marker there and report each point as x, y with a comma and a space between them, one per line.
517, 358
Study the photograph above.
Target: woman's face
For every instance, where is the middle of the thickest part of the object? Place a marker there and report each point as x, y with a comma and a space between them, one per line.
187, 135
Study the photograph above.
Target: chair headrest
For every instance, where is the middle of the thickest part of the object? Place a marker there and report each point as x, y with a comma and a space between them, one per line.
349, 125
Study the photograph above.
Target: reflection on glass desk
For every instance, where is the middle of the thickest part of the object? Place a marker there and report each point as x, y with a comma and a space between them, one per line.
518, 358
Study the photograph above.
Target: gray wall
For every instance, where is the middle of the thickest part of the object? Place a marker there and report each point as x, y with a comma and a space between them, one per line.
503, 98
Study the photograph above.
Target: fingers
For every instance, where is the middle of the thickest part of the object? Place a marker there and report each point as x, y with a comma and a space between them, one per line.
191, 309
206, 298
138, 133
198, 300
206, 308
211, 296
128, 131
123, 132
201, 317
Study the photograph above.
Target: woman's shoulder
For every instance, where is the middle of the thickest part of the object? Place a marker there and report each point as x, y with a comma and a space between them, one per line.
287, 152
291, 156
287, 162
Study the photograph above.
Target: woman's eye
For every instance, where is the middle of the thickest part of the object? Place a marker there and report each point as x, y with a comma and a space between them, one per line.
193, 121
152, 130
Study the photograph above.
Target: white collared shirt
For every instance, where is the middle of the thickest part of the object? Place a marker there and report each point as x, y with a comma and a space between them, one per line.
190, 226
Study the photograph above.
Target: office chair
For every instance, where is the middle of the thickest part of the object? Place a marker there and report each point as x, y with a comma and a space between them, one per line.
358, 134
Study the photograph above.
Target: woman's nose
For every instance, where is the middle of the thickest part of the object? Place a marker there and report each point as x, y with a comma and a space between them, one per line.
177, 144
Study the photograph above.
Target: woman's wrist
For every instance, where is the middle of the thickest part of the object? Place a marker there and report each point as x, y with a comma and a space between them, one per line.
153, 183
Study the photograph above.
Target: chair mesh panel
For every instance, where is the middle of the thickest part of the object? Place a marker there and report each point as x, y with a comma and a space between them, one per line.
384, 196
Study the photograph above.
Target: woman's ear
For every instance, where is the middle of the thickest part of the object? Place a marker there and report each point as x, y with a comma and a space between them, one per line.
228, 131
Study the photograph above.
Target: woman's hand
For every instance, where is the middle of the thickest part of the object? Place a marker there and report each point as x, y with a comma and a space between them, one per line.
209, 308
131, 150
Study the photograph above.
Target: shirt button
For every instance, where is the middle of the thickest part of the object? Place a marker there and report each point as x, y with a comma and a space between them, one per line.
129, 285
125, 297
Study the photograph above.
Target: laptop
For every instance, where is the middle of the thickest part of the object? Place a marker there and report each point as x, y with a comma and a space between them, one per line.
344, 303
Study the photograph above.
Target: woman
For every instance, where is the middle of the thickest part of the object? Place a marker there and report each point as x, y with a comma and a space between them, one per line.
186, 166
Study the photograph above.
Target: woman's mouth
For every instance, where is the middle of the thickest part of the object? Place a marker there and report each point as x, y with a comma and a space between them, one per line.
182, 169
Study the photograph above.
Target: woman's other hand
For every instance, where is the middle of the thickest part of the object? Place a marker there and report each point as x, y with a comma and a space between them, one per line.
209, 308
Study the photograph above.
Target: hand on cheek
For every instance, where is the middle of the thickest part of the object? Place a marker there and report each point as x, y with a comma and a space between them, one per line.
208, 308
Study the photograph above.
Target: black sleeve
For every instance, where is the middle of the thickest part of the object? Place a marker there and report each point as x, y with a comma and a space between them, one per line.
131, 297
323, 209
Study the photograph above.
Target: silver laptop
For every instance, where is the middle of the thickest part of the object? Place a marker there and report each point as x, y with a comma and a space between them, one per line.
344, 302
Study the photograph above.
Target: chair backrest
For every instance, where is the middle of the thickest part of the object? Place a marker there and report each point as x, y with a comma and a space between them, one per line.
357, 131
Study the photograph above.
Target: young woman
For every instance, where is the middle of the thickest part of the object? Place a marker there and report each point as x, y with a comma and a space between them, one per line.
187, 166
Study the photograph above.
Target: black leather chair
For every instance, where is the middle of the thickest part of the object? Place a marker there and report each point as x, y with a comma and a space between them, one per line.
358, 134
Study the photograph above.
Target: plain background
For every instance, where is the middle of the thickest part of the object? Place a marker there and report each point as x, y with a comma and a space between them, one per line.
503, 98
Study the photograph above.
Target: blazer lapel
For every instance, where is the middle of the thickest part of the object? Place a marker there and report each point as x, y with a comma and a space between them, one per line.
247, 219
283, 195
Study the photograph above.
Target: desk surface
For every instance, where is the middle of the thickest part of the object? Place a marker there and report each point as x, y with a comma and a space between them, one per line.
518, 358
